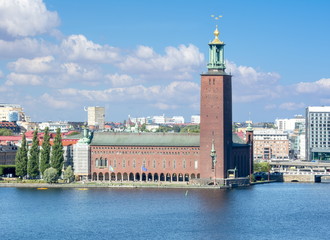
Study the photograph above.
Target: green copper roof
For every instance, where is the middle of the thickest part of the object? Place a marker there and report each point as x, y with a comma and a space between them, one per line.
150, 139
145, 139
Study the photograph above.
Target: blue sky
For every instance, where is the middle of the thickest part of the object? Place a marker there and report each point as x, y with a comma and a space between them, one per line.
144, 58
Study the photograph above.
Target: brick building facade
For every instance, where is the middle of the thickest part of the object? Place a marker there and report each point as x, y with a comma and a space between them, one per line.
209, 156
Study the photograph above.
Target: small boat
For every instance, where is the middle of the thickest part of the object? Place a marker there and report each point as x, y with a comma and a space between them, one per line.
42, 188
83, 189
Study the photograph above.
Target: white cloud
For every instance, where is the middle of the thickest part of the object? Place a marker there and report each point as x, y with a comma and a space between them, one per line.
248, 76
56, 103
78, 72
26, 47
291, 106
250, 85
23, 79
320, 86
117, 80
78, 48
35, 65
179, 63
178, 93
22, 18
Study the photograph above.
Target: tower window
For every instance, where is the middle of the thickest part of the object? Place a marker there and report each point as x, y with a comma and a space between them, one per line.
213, 81
209, 81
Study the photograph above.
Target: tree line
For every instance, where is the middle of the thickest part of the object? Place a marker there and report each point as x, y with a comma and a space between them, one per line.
46, 162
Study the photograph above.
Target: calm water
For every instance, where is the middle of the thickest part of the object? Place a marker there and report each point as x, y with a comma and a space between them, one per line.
272, 211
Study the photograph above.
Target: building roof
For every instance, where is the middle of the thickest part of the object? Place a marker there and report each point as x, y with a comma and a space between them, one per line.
145, 139
150, 139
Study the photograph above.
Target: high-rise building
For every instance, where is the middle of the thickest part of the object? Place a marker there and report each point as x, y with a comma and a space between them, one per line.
318, 133
216, 113
96, 117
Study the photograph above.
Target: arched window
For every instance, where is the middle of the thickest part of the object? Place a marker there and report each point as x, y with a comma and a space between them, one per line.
184, 163
96, 162
174, 164
134, 163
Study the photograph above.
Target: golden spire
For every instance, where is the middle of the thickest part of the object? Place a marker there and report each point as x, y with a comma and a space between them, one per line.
216, 36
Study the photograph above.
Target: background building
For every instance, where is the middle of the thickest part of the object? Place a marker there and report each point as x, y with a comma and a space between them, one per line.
270, 144
289, 124
96, 117
318, 133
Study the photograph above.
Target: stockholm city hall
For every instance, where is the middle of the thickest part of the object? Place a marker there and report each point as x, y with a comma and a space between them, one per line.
211, 157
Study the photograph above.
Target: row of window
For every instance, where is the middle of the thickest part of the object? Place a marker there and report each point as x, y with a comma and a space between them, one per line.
143, 153
102, 163
148, 148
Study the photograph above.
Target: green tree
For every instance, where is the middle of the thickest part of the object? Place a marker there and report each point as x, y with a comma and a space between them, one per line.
33, 161
21, 159
50, 175
68, 174
57, 158
45, 152
262, 167
5, 132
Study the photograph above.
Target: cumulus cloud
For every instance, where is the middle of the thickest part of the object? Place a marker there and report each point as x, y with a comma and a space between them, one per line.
22, 18
182, 92
250, 85
120, 80
79, 48
179, 62
23, 79
56, 103
35, 65
320, 86
26, 47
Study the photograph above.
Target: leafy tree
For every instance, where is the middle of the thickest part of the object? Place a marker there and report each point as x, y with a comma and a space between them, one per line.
57, 157
45, 152
190, 129
33, 161
50, 175
21, 158
68, 174
5, 132
262, 167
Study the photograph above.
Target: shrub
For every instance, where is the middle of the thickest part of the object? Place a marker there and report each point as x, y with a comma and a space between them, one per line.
50, 175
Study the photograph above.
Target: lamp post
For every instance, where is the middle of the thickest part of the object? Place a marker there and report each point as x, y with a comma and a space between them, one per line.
214, 160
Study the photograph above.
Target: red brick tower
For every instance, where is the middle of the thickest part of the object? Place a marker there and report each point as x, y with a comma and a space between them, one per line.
216, 116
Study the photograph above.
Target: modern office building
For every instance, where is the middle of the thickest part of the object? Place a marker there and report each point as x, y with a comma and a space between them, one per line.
318, 133
96, 117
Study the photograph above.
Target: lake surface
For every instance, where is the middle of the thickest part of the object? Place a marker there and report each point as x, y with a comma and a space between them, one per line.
269, 211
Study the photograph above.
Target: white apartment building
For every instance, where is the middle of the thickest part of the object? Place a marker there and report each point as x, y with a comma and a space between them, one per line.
96, 117
289, 124
53, 126
318, 133
270, 144
196, 119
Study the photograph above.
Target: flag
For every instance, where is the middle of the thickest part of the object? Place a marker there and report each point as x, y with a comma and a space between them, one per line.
111, 168
144, 169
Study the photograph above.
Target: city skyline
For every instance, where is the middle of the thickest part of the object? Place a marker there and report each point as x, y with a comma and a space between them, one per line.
145, 58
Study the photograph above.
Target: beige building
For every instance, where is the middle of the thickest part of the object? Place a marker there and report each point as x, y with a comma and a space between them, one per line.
96, 117
8, 111
270, 144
